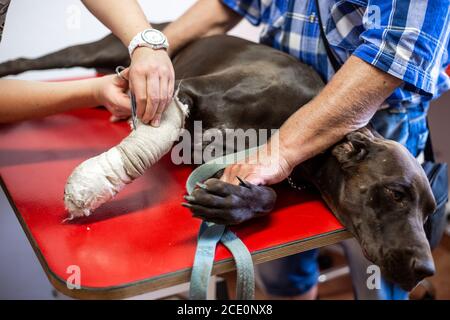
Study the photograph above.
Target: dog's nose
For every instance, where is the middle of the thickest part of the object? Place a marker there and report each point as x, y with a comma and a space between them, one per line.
422, 268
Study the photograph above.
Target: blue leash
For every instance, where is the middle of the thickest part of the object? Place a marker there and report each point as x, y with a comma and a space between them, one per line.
209, 236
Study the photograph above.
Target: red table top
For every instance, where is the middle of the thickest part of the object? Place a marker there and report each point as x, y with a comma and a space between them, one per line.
142, 235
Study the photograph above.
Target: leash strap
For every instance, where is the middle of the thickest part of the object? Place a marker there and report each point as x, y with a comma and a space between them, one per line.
209, 236
245, 288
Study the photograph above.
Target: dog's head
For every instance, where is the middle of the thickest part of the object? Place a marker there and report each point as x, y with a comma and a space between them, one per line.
384, 202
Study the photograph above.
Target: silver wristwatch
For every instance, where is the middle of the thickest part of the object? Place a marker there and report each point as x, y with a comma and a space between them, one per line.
150, 38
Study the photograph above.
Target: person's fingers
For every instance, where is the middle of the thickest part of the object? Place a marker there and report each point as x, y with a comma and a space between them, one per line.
233, 179
255, 179
122, 114
171, 86
122, 80
152, 98
227, 173
231, 173
125, 74
118, 111
114, 118
249, 173
170, 91
124, 102
163, 94
138, 86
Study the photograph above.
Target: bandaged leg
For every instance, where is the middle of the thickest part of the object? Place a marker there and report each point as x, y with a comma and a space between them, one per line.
99, 179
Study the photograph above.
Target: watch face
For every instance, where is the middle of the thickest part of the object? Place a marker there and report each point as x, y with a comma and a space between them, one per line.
153, 37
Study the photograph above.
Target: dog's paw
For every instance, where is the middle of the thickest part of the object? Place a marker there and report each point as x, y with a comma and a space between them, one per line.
229, 204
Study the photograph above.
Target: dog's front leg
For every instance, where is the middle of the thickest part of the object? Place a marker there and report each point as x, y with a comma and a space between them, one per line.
229, 204
99, 179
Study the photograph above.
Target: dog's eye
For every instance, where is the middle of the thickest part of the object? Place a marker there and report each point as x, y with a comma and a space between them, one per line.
396, 195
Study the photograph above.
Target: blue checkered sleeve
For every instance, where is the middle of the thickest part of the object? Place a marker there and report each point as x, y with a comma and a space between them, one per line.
409, 39
251, 10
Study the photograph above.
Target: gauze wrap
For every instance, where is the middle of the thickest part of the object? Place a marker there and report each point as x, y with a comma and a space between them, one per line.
99, 179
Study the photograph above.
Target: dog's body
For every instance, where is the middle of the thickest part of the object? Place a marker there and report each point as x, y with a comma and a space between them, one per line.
373, 185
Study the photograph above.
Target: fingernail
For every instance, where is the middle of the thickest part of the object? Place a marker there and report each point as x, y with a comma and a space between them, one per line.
202, 185
189, 198
156, 122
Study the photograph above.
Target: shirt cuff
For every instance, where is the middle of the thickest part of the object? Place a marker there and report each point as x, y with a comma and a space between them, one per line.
238, 7
415, 79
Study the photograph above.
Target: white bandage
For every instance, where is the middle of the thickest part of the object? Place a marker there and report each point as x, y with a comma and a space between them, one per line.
99, 179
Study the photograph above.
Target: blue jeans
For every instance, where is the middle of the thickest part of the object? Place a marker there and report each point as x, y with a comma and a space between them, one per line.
296, 274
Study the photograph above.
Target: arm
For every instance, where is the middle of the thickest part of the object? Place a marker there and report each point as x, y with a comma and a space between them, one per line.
22, 100
204, 18
347, 103
368, 77
123, 17
98, 179
151, 72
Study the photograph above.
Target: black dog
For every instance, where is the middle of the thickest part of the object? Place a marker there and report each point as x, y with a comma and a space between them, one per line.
373, 185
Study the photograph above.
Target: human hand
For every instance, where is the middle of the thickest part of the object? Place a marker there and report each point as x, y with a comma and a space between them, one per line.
111, 92
259, 169
240, 194
152, 81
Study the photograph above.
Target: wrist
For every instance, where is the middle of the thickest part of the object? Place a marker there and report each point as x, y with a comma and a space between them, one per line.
146, 50
95, 86
287, 158
287, 155
131, 33
280, 151
78, 94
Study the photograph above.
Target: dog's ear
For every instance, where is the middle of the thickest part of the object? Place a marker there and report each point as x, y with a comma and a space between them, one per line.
353, 148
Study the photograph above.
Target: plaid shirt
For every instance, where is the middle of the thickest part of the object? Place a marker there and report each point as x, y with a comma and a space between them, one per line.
408, 39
